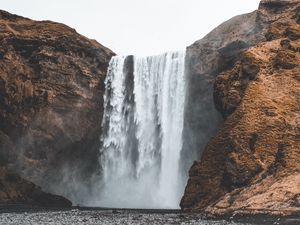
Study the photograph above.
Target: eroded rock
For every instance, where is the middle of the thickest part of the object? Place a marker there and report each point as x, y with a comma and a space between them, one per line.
251, 166
51, 96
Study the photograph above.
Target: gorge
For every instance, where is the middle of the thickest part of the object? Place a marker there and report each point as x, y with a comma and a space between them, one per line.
213, 129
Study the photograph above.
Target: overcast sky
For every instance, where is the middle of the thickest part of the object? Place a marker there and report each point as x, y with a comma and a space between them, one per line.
141, 27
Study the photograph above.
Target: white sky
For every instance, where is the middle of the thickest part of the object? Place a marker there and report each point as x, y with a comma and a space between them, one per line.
140, 27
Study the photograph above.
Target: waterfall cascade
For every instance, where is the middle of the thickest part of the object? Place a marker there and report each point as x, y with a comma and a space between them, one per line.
142, 132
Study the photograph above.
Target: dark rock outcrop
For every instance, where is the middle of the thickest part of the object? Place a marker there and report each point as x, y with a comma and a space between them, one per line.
51, 102
15, 190
252, 164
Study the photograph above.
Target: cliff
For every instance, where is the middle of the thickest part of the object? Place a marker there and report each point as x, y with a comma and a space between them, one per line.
216, 52
252, 163
51, 102
243, 88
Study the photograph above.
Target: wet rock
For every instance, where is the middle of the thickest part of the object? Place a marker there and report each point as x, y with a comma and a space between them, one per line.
18, 191
50, 200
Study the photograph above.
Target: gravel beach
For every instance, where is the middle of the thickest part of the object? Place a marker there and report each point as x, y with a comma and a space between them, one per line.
116, 217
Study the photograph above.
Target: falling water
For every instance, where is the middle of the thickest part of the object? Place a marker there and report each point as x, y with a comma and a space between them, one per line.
142, 131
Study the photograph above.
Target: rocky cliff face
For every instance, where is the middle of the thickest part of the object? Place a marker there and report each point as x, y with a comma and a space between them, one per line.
216, 52
51, 87
252, 163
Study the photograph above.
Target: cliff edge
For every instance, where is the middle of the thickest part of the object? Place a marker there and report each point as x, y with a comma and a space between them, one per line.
252, 165
51, 103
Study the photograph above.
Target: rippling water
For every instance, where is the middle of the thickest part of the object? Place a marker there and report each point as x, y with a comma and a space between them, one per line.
104, 217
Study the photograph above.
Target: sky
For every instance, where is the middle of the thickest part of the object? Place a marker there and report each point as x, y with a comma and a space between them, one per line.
139, 27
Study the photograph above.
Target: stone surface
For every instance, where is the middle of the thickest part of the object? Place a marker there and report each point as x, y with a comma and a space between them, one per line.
15, 190
132, 217
252, 164
51, 87
217, 51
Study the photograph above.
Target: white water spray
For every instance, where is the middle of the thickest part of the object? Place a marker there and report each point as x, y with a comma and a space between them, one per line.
142, 132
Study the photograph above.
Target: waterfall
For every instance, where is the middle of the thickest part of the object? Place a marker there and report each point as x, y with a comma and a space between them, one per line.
142, 132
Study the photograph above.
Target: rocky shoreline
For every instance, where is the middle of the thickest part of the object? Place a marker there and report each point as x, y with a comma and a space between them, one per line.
79, 215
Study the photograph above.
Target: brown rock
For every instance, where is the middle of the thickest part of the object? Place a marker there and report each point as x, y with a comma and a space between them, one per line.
252, 164
16, 190
216, 52
51, 87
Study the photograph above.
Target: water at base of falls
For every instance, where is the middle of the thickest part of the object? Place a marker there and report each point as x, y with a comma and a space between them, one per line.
142, 132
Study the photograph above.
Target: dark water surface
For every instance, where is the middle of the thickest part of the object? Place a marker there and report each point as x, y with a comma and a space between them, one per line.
134, 217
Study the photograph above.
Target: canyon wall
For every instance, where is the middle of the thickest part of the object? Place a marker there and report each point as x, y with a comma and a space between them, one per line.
252, 164
51, 103
242, 98
217, 51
